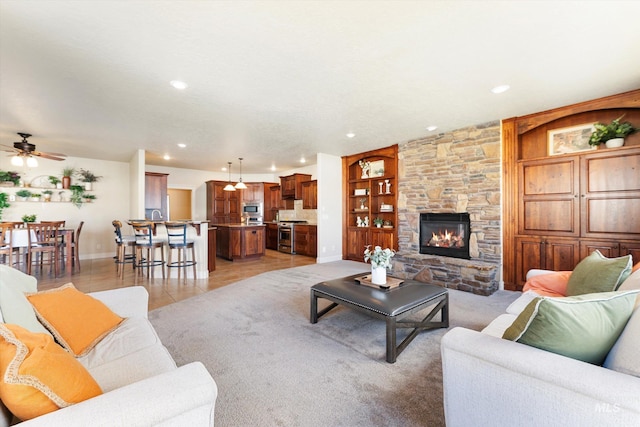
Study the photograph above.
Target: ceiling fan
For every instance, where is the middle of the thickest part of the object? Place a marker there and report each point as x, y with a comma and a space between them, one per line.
24, 152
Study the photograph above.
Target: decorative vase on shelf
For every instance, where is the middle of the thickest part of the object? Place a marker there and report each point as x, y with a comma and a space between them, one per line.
88, 186
66, 182
615, 142
378, 275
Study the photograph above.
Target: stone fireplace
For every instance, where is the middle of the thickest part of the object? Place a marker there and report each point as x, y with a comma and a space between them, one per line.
445, 234
452, 173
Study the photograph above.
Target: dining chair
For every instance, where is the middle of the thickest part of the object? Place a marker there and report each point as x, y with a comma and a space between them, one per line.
43, 239
123, 242
6, 244
75, 245
147, 244
177, 240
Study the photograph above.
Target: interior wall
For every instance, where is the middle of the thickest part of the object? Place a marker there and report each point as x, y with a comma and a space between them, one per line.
329, 174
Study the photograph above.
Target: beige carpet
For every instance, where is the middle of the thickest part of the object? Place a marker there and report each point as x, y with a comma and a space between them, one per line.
274, 368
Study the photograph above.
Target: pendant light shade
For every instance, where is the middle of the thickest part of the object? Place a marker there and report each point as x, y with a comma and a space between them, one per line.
229, 186
240, 185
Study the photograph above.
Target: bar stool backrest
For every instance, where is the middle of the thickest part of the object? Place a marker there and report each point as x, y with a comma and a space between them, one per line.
176, 233
117, 225
143, 232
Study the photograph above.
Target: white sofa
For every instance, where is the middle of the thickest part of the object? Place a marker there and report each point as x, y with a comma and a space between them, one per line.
490, 381
140, 381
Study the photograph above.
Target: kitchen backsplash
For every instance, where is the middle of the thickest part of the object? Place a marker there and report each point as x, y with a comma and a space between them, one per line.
311, 215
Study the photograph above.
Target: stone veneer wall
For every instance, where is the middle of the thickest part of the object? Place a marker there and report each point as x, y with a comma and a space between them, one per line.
457, 171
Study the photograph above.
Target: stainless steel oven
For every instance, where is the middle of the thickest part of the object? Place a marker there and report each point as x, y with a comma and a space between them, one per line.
285, 238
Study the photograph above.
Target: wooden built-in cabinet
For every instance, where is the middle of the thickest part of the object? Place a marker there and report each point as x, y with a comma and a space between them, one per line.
373, 196
560, 208
310, 194
155, 194
277, 202
291, 185
272, 236
306, 239
223, 207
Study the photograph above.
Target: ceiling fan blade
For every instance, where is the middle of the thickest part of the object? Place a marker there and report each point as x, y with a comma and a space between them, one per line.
9, 149
49, 156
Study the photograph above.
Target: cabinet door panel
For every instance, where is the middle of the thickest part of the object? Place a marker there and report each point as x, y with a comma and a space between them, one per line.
529, 255
612, 218
555, 178
550, 216
632, 249
356, 241
607, 172
561, 255
608, 249
383, 238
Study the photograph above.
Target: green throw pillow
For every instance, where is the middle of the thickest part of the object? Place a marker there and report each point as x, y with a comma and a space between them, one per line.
597, 273
584, 327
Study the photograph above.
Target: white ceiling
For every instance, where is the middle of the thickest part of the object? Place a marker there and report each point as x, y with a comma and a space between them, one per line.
272, 81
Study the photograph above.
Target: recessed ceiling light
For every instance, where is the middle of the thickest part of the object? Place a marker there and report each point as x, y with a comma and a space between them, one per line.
351, 135
223, 169
182, 145
303, 160
500, 89
166, 157
179, 84
273, 168
432, 128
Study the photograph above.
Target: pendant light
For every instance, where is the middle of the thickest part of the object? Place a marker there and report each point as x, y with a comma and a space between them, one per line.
229, 186
240, 185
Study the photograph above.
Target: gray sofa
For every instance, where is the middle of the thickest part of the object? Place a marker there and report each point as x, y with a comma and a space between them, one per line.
141, 383
490, 381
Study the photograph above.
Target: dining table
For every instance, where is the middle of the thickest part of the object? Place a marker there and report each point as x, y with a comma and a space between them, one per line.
20, 239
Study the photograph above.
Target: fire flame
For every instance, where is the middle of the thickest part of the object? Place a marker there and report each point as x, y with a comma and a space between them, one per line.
446, 239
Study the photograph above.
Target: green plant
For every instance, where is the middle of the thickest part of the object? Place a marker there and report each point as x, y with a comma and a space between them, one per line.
88, 176
10, 176
615, 129
379, 257
23, 193
29, 218
378, 221
35, 195
68, 171
77, 192
54, 180
89, 196
3, 203
49, 192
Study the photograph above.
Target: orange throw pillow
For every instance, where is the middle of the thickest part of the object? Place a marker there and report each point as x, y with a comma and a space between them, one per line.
550, 285
635, 267
37, 376
77, 321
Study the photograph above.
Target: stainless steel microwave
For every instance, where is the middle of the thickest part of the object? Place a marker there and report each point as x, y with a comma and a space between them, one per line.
252, 209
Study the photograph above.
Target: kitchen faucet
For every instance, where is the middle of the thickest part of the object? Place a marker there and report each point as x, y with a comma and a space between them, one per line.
154, 211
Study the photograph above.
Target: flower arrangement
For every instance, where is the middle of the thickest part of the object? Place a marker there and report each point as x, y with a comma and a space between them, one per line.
379, 257
615, 129
10, 176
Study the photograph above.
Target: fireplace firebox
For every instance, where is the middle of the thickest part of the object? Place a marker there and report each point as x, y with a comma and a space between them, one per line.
445, 234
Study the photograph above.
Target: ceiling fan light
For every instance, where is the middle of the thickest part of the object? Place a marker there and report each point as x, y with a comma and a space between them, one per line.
32, 162
17, 161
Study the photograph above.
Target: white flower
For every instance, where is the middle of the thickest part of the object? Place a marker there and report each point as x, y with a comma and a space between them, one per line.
379, 257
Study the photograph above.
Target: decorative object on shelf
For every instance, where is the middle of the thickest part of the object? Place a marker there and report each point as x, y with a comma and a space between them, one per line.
35, 197
67, 173
386, 208
77, 191
61, 196
9, 178
612, 134
378, 222
23, 194
360, 192
46, 194
388, 184
362, 202
88, 197
3, 203
570, 139
55, 181
88, 178
359, 221
387, 224
380, 184
380, 261
377, 168
29, 218
365, 221
365, 165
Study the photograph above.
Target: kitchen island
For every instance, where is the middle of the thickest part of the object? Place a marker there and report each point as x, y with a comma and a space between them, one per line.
240, 242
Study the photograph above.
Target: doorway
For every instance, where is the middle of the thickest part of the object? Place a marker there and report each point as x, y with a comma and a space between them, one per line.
179, 204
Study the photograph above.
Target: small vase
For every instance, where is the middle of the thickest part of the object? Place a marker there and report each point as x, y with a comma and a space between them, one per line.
66, 182
379, 275
88, 186
615, 142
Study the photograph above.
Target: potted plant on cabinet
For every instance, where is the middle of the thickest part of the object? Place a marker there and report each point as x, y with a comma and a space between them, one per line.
23, 194
3, 203
612, 134
378, 222
67, 173
88, 178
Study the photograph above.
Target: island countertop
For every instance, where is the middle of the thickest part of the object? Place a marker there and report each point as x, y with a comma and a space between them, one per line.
239, 225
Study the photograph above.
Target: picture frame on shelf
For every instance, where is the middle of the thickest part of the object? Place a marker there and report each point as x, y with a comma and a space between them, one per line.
571, 139
377, 168
360, 192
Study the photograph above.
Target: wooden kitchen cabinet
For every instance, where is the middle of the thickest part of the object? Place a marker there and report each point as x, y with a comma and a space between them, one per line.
547, 253
223, 207
310, 194
291, 186
272, 236
240, 242
305, 240
277, 202
253, 193
155, 194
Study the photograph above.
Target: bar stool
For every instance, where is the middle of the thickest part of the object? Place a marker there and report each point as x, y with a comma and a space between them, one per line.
122, 244
145, 242
177, 239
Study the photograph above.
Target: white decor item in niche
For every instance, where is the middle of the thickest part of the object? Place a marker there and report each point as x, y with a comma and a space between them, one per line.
377, 168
